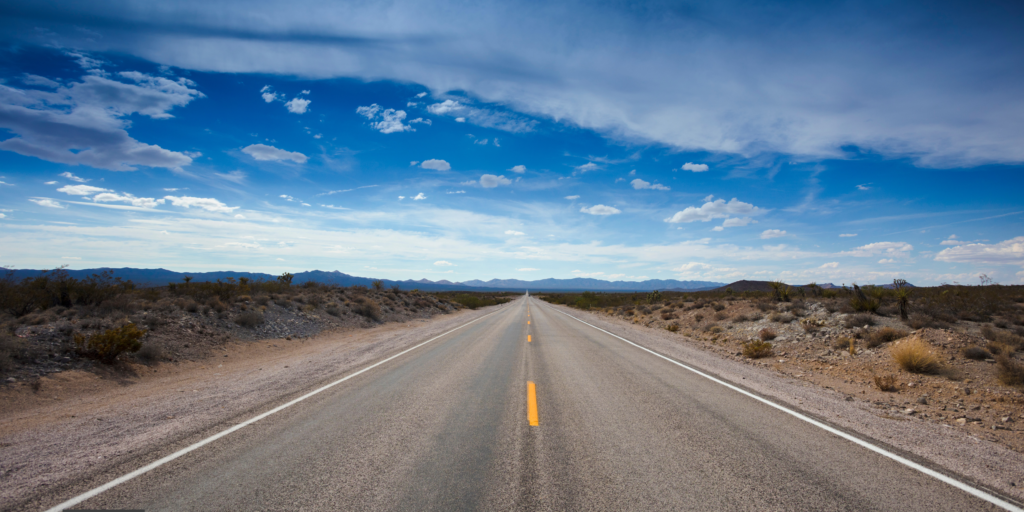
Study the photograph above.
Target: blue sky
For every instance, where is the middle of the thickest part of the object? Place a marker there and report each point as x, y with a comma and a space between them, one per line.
829, 142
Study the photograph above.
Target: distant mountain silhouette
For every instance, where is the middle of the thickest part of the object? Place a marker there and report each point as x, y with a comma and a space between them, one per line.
161, 277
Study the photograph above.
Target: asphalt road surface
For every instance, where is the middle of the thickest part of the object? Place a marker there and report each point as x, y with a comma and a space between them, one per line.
447, 426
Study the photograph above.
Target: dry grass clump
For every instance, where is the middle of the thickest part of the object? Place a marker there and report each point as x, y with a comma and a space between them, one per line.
717, 307
249, 319
886, 382
721, 315
333, 309
368, 308
767, 334
859, 320
1008, 371
782, 318
977, 353
915, 356
1011, 341
757, 349
714, 329
885, 335
672, 327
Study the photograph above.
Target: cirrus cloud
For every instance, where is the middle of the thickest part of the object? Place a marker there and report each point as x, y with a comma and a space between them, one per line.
265, 153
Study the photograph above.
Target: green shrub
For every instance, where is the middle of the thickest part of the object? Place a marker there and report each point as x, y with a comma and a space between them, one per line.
106, 346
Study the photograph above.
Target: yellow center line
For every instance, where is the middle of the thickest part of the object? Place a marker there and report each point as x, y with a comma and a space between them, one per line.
531, 404
527, 322
529, 338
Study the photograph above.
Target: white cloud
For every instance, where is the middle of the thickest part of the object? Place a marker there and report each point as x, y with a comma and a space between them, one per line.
401, 197
239, 216
690, 166
482, 117
709, 197
833, 264
491, 181
436, 165
420, 95
951, 242
481, 142
3, 216
572, 198
427, 122
1007, 252
456, 192
84, 123
50, 183
693, 265
142, 202
298, 105
49, 203
80, 190
269, 96
514, 233
39, 81
443, 263
71, 177
886, 260
640, 184
600, 209
305, 91
894, 249
736, 222
206, 203
264, 152
847, 235
385, 120
633, 172
717, 209
419, 197
773, 233
863, 187
70, 257
518, 169
527, 269
589, 166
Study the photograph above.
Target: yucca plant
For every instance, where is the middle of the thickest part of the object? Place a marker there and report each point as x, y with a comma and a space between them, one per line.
902, 297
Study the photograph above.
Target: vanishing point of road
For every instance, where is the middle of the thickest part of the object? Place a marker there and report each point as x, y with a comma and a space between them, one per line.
528, 408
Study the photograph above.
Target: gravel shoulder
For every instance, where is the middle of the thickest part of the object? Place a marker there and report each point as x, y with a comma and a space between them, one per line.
985, 463
78, 424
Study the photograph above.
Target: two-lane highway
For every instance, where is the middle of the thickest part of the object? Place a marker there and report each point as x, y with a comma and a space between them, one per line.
528, 408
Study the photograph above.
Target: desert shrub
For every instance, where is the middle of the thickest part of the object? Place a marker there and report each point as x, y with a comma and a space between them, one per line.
667, 315
843, 343
1008, 371
977, 353
671, 327
191, 306
243, 298
149, 354
989, 333
740, 318
369, 309
763, 306
860, 320
867, 304
782, 318
997, 348
249, 319
721, 315
884, 335
767, 334
378, 285
698, 317
757, 349
717, 307
714, 329
216, 304
886, 382
262, 300
106, 346
333, 309
1002, 324
915, 356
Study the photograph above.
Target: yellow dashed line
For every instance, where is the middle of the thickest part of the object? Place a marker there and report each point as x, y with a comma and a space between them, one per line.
531, 404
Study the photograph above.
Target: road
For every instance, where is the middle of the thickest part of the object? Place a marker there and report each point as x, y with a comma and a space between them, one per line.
447, 427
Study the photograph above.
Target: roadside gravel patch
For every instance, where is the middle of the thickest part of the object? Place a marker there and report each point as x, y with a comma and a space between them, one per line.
988, 464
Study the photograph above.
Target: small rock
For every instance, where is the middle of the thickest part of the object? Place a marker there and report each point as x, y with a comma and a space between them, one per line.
923, 400
961, 421
910, 384
849, 399
1006, 419
11, 379
909, 412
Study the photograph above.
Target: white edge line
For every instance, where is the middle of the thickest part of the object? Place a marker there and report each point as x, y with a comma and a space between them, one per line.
885, 453
153, 465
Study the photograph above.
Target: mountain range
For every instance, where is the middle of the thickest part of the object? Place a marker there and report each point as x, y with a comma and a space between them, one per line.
160, 277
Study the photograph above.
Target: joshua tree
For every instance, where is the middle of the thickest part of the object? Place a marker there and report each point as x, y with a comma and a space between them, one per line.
902, 297
378, 285
780, 291
285, 279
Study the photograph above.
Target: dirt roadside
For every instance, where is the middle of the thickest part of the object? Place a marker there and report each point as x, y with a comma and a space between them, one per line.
989, 463
81, 423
